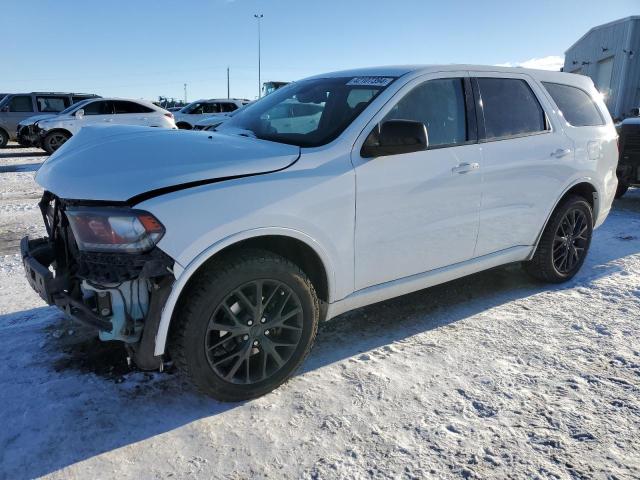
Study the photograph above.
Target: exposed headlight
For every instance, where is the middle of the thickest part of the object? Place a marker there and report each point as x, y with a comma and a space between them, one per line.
120, 230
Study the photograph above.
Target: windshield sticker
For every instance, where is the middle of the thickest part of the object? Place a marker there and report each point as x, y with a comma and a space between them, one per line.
370, 81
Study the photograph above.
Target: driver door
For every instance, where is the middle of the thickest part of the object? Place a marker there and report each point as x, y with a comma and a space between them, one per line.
419, 211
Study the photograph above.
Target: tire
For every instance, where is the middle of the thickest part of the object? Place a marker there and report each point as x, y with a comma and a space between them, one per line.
4, 138
54, 140
184, 126
622, 189
565, 242
231, 350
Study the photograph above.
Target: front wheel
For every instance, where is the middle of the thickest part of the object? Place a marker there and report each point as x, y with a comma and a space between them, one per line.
564, 243
54, 141
245, 325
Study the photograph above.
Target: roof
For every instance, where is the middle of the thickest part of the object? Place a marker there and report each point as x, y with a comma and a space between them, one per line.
604, 25
400, 70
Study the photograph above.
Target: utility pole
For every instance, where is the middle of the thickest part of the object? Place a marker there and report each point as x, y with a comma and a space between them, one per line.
259, 17
185, 93
228, 87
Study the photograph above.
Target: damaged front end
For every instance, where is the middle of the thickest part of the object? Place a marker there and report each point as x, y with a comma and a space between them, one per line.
100, 264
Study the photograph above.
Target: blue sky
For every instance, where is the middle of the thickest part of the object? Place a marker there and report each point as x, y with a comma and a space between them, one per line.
145, 48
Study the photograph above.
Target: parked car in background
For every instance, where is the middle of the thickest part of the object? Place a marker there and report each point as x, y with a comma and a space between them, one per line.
16, 107
629, 157
214, 121
270, 87
174, 109
227, 249
188, 116
50, 133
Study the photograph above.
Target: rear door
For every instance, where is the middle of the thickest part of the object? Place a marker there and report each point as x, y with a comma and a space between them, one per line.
524, 157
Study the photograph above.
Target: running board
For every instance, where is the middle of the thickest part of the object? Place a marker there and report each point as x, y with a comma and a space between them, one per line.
413, 283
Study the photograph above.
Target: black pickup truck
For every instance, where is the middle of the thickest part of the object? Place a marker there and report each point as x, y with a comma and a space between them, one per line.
629, 160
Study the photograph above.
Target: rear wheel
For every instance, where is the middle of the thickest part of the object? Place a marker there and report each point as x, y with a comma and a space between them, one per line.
245, 325
4, 138
622, 189
564, 243
54, 141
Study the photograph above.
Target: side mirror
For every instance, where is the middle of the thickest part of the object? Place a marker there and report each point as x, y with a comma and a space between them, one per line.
79, 113
635, 112
394, 137
5, 108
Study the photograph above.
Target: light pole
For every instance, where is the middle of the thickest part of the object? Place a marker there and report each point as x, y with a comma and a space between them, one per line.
259, 17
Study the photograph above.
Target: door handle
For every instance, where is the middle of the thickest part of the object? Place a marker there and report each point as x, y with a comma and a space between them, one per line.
108, 120
561, 152
465, 167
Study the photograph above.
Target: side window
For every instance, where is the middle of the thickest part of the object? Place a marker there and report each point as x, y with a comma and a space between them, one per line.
510, 108
211, 108
52, 104
122, 106
21, 103
576, 105
98, 108
228, 107
440, 105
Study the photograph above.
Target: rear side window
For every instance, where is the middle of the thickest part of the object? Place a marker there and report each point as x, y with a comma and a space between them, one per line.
228, 107
510, 108
52, 104
577, 107
440, 105
122, 106
21, 103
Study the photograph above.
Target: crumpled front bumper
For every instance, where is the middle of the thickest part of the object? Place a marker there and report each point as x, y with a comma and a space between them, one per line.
37, 256
28, 136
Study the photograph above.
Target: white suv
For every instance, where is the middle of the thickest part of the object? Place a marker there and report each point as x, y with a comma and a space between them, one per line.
191, 114
51, 132
227, 249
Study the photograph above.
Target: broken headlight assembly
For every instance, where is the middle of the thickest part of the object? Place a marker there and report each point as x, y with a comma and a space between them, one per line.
114, 230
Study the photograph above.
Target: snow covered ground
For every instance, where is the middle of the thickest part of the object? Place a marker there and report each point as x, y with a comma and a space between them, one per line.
491, 375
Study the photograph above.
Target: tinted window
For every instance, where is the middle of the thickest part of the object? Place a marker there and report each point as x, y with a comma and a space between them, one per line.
52, 104
440, 105
576, 105
98, 108
122, 106
510, 108
228, 107
21, 103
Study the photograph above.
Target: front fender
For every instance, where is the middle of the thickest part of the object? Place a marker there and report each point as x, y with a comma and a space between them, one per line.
184, 273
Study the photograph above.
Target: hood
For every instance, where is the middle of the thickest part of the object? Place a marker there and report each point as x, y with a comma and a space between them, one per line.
37, 118
117, 163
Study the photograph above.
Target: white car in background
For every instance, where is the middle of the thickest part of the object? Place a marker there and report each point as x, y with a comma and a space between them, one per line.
188, 116
214, 121
54, 131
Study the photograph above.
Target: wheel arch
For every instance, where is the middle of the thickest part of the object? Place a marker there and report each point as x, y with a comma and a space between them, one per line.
58, 129
583, 187
292, 244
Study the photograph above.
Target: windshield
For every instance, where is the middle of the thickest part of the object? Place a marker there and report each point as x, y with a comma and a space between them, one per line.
74, 107
309, 113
